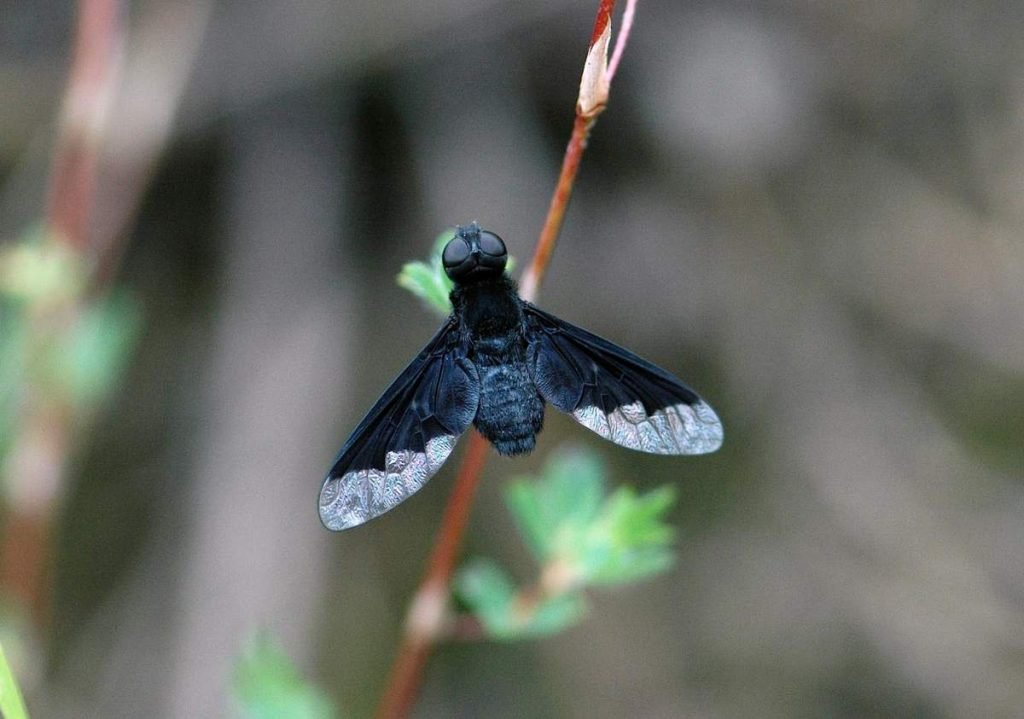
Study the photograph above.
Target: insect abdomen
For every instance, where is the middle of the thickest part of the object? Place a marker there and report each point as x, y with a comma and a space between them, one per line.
511, 412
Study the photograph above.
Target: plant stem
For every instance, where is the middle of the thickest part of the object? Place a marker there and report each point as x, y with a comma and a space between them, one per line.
427, 614
530, 283
429, 618
87, 100
35, 465
620, 43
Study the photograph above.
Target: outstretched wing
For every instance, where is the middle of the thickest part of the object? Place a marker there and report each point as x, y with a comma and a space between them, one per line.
405, 438
613, 392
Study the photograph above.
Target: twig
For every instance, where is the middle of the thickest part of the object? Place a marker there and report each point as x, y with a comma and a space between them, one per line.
425, 622
531, 279
35, 466
428, 618
591, 102
620, 43
87, 100
85, 227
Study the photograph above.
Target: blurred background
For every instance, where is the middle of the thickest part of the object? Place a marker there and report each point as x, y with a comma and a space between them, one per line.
811, 212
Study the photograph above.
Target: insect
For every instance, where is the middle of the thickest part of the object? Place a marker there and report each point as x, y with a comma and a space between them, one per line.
493, 364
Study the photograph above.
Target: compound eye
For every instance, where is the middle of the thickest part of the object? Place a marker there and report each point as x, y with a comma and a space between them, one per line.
455, 252
491, 244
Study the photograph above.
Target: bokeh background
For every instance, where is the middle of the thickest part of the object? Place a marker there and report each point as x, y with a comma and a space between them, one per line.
812, 212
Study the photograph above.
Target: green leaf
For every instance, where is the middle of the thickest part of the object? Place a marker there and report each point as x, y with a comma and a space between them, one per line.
630, 540
268, 686
13, 353
427, 280
489, 592
40, 270
12, 705
555, 508
492, 597
580, 535
555, 614
528, 512
565, 518
99, 347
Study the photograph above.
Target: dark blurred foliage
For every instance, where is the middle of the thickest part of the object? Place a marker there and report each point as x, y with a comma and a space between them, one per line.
812, 212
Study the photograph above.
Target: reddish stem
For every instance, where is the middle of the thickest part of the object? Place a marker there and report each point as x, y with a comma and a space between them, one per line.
427, 620
36, 462
86, 102
620, 43
456, 514
601, 20
533, 275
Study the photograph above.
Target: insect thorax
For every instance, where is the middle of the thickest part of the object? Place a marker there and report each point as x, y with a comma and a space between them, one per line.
511, 412
488, 309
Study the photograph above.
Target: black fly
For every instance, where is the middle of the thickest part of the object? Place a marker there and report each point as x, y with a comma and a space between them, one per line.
493, 364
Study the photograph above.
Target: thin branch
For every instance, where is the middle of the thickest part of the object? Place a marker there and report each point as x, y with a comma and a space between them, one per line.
87, 101
620, 42
35, 465
530, 282
591, 102
429, 615
96, 179
425, 622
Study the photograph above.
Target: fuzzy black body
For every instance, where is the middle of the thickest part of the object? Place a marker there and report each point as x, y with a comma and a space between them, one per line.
490, 318
494, 364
